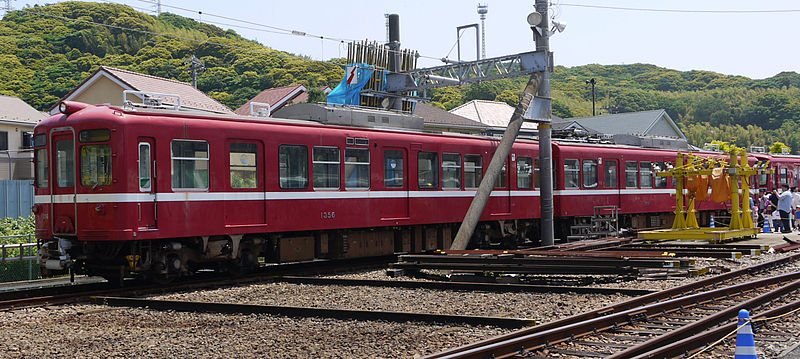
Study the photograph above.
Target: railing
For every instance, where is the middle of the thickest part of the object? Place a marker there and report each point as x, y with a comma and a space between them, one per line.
20, 251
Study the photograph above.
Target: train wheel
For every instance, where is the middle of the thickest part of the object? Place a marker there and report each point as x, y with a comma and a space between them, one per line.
165, 273
247, 262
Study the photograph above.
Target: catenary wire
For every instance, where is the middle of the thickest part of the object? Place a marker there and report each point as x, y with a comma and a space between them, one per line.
681, 10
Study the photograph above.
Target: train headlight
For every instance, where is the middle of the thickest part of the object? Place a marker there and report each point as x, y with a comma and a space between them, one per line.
62, 107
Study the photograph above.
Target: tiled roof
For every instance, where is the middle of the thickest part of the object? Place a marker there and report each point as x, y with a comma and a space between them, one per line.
14, 109
490, 113
435, 115
276, 98
190, 96
632, 123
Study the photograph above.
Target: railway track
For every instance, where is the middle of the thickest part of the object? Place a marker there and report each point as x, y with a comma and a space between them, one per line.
637, 328
83, 292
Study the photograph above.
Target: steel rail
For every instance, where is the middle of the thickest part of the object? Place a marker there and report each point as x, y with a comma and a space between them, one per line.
465, 286
615, 308
704, 323
538, 340
695, 343
530, 260
305, 312
514, 268
79, 293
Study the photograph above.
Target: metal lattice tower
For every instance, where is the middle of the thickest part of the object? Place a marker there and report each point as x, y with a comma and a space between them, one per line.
483, 9
158, 7
7, 6
387, 26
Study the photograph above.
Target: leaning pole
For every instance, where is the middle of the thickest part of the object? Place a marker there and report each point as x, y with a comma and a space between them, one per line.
538, 84
498, 160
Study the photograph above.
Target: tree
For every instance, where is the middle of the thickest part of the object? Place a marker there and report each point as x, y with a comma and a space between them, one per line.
779, 147
316, 95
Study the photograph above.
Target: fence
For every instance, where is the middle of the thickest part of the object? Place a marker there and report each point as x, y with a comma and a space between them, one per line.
18, 261
16, 198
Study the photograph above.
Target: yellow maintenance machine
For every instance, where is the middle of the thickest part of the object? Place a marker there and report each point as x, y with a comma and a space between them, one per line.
727, 175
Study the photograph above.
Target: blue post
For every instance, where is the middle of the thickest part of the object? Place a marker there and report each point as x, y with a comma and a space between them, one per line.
745, 342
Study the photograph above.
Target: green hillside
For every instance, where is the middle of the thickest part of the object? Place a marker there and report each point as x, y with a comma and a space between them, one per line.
43, 55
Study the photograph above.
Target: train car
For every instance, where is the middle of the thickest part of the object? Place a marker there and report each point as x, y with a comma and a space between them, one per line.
161, 193
123, 192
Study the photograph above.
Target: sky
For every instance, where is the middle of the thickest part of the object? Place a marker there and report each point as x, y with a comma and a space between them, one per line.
752, 44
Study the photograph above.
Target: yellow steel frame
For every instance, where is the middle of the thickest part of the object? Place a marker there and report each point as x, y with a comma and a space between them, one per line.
685, 226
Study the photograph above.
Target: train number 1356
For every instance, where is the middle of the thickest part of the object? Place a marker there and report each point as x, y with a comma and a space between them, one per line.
327, 215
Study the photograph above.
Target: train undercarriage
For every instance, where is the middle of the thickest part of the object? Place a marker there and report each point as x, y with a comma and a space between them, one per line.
166, 259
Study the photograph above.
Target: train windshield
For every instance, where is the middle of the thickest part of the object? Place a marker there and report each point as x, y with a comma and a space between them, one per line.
96, 165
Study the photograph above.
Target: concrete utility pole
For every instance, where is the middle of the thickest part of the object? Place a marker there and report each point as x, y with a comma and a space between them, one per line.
545, 130
539, 84
194, 65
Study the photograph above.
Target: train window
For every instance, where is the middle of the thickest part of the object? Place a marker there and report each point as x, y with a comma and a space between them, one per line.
65, 163
42, 171
39, 140
451, 170
631, 174
293, 166
244, 165
537, 175
427, 169
611, 173
572, 173
393, 169
356, 168
95, 165
762, 179
144, 167
646, 174
98, 135
473, 171
660, 182
589, 173
189, 165
524, 173
784, 176
500, 182
326, 167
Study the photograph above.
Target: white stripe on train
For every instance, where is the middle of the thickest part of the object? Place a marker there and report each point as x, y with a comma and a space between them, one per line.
316, 195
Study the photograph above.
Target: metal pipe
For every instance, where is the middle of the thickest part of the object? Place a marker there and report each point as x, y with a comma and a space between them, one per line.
475, 210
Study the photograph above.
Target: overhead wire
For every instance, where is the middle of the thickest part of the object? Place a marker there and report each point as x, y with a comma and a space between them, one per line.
280, 30
681, 10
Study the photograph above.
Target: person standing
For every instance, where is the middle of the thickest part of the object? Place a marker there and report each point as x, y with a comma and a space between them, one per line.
785, 208
796, 206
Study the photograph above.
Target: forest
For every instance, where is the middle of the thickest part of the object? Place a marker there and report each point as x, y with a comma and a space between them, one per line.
46, 51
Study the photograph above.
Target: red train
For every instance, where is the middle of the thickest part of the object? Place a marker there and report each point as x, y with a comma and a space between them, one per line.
161, 193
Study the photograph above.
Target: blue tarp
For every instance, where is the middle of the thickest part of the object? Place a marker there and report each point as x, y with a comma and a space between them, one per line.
348, 91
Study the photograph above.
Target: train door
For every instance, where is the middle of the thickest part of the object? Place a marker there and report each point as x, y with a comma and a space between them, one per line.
246, 205
147, 218
502, 191
62, 188
395, 181
610, 178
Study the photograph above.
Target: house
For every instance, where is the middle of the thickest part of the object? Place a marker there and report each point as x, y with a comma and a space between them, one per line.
17, 120
106, 86
644, 128
271, 100
495, 115
436, 119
